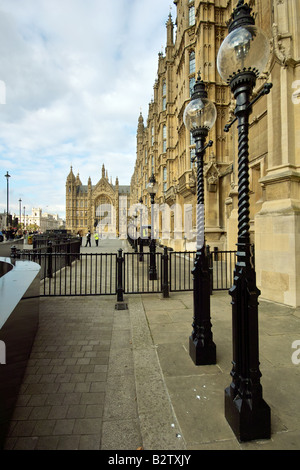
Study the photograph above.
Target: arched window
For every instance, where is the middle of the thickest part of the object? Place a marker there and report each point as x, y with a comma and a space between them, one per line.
164, 138
165, 179
164, 95
192, 62
192, 19
192, 82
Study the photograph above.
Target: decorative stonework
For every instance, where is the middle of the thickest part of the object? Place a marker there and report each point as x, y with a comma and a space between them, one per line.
84, 204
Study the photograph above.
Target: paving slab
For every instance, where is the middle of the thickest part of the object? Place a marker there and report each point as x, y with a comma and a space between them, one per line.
105, 379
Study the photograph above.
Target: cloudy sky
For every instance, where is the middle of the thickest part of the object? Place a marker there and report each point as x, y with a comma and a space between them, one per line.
74, 76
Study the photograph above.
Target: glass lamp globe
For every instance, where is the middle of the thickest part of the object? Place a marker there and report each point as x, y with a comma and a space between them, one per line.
200, 113
152, 186
245, 49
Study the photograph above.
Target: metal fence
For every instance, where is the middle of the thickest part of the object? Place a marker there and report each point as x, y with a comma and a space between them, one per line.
222, 264
181, 264
136, 273
180, 270
76, 274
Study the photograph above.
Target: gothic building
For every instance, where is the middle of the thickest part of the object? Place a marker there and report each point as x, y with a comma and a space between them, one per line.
101, 207
165, 147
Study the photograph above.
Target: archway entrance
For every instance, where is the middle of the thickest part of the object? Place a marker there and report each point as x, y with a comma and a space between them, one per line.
105, 221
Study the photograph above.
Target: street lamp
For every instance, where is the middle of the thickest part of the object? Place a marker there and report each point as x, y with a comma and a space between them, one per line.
242, 57
20, 211
152, 188
7, 176
141, 258
199, 117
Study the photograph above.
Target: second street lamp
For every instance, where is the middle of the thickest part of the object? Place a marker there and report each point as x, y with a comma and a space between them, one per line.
243, 55
7, 176
152, 188
199, 117
141, 258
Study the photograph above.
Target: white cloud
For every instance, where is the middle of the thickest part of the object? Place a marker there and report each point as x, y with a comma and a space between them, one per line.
76, 73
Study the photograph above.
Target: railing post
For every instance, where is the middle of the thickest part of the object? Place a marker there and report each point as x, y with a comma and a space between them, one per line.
68, 252
152, 267
210, 267
141, 258
120, 289
165, 273
49, 256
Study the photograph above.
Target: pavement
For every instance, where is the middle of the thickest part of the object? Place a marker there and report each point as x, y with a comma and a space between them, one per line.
99, 378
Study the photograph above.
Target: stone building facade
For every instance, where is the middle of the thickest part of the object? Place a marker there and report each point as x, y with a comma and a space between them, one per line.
165, 147
99, 208
43, 220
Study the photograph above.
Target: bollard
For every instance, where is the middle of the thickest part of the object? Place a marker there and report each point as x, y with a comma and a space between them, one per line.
120, 289
120, 305
165, 273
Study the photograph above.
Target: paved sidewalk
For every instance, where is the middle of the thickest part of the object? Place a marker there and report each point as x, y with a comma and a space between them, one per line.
100, 378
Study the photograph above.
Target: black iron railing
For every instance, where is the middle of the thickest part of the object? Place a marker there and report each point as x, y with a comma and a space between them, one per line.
70, 273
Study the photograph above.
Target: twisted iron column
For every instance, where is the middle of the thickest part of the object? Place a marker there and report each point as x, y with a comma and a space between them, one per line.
245, 409
201, 346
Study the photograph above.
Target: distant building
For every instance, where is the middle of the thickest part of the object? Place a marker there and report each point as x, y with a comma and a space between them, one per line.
44, 221
101, 207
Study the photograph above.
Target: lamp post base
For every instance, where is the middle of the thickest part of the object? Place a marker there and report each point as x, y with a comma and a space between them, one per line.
202, 354
201, 345
249, 420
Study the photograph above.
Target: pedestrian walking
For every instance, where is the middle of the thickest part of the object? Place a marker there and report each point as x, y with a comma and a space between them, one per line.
96, 236
88, 239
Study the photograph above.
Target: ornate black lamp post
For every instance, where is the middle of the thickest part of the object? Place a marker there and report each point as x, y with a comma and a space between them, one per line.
7, 176
199, 117
152, 188
243, 55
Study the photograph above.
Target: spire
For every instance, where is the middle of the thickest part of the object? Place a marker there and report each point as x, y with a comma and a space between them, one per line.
141, 123
71, 177
170, 29
103, 171
78, 182
170, 37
